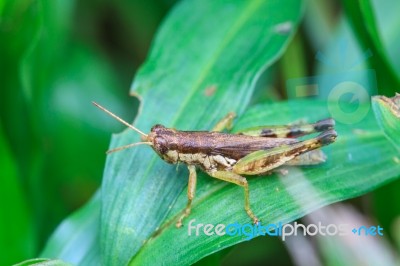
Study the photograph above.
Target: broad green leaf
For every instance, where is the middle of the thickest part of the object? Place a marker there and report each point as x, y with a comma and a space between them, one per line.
347, 173
205, 62
387, 112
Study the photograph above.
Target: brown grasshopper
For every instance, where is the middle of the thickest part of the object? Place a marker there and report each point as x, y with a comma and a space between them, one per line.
227, 157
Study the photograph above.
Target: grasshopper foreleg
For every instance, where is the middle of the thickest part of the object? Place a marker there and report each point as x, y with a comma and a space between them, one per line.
225, 123
190, 193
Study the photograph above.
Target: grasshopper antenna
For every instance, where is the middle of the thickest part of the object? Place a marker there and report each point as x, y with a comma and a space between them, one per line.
128, 146
123, 122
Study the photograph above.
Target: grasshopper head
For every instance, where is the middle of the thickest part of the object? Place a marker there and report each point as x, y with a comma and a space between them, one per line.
162, 139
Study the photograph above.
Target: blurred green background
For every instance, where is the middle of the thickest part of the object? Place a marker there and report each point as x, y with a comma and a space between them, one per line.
58, 56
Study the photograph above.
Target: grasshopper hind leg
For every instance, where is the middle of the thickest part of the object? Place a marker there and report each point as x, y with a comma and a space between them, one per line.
290, 131
313, 157
238, 180
263, 161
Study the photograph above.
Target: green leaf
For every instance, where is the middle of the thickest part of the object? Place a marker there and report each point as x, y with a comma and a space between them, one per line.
76, 239
361, 14
388, 21
49, 77
278, 198
387, 112
43, 262
205, 62
17, 235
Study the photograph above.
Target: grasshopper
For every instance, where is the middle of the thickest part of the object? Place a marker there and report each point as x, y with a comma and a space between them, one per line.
255, 151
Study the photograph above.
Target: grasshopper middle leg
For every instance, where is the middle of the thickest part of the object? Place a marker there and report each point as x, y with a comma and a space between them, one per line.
225, 123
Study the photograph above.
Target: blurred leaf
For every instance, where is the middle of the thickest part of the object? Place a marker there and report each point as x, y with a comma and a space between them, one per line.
387, 20
387, 112
293, 62
43, 262
320, 22
361, 14
15, 220
16, 35
76, 239
141, 19
48, 81
348, 173
255, 252
197, 76
345, 248
387, 23
396, 231
342, 60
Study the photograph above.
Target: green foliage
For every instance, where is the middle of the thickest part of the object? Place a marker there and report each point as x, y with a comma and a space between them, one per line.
208, 58
17, 219
229, 67
387, 111
362, 16
43, 262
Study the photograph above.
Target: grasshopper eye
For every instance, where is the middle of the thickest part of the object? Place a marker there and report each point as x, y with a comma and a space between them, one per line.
160, 145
